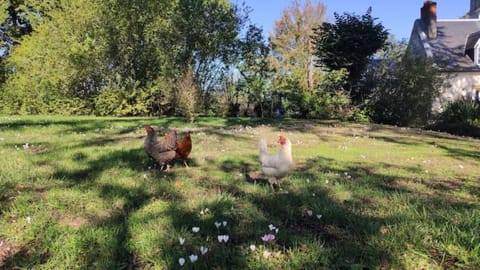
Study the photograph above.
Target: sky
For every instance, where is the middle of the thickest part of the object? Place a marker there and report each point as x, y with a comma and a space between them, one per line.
396, 16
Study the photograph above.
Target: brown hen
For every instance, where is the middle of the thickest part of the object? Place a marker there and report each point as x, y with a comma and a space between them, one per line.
184, 147
162, 152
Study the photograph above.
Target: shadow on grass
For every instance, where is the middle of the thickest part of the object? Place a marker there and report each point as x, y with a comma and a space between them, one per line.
460, 153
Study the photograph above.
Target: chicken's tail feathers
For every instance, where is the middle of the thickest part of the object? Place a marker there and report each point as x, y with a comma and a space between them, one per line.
262, 146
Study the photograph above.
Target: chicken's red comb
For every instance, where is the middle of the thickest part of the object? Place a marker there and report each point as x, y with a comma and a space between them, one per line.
148, 129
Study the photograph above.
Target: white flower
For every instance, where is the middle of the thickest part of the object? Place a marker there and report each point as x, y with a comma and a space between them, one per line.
193, 258
223, 238
28, 219
195, 229
252, 247
203, 250
181, 261
271, 227
319, 216
224, 223
218, 224
181, 240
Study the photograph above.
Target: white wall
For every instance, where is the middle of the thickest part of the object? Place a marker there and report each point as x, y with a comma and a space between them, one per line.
460, 86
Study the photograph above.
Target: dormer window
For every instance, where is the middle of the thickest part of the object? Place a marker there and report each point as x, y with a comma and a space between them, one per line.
476, 53
472, 47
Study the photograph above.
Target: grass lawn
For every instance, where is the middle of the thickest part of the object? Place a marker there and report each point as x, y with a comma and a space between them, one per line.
80, 193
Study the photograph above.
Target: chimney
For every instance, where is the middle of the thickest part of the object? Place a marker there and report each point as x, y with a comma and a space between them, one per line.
474, 9
429, 18
474, 5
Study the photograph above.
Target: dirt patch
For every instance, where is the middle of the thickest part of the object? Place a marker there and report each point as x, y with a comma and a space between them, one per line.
443, 258
7, 250
76, 222
443, 184
37, 149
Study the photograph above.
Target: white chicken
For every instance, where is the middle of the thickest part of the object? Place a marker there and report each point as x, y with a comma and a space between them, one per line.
276, 166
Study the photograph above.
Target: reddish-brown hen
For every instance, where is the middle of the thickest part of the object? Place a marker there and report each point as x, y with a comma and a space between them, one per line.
184, 147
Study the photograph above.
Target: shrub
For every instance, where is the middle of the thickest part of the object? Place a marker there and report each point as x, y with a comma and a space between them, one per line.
461, 117
186, 96
328, 100
405, 96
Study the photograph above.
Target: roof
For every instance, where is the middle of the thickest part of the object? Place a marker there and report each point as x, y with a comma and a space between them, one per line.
449, 48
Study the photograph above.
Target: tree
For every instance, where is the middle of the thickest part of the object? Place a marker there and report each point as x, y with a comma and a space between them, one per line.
348, 44
205, 35
253, 66
293, 53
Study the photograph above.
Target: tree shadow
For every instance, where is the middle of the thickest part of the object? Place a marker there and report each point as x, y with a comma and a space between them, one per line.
459, 153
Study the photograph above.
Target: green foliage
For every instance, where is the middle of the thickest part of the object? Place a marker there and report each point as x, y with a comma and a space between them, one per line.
134, 100
463, 111
138, 40
291, 43
405, 97
461, 117
108, 54
348, 44
48, 69
205, 35
254, 69
328, 100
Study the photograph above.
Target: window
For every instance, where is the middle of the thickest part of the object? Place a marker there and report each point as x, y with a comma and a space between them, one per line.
476, 90
477, 56
472, 47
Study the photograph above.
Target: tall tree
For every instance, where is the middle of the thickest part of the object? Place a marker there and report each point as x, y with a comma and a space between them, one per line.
206, 35
348, 43
293, 52
138, 37
253, 65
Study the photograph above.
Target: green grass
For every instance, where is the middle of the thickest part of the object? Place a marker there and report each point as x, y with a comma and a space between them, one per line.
84, 195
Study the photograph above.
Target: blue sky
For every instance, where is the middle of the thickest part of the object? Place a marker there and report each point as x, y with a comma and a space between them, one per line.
397, 16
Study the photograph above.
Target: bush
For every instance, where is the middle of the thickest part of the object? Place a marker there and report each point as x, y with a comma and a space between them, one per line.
461, 117
328, 100
405, 96
186, 96
463, 111
133, 101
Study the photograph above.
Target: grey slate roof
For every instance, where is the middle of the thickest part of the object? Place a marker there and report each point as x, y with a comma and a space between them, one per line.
448, 49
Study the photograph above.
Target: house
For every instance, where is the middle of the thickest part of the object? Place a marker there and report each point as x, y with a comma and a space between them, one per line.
454, 47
